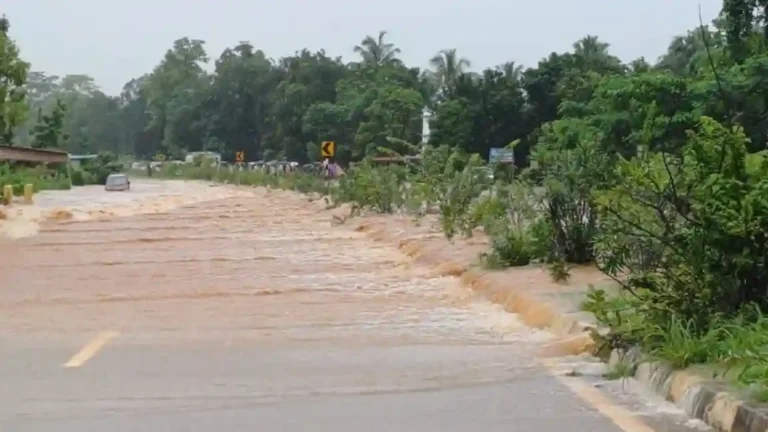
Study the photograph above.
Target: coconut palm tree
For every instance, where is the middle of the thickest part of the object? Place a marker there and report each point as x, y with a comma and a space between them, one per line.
377, 52
512, 70
592, 54
448, 67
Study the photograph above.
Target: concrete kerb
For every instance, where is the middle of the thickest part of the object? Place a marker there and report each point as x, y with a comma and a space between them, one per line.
702, 399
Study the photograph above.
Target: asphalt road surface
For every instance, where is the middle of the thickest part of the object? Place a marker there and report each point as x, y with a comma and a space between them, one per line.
253, 313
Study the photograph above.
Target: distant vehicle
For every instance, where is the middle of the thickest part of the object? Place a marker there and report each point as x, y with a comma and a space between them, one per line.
117, 182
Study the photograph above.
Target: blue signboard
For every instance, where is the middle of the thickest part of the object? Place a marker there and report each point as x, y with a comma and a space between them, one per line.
502, 155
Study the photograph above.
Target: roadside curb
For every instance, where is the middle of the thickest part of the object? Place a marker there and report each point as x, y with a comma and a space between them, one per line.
700, 398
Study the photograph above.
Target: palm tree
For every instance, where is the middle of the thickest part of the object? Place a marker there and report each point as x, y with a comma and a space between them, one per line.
448, 68
682, 54
512, 70
592, 54
376, 52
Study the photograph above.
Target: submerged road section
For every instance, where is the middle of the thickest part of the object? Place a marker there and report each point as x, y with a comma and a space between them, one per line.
254, 313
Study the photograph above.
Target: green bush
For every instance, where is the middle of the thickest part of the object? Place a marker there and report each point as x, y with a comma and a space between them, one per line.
368, 187
41, 178
569, 167
78, 178
96, 171
457, 195
510, 246
517, 229
690, 229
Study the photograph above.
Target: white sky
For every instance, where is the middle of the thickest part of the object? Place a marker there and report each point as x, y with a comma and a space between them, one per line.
114, 41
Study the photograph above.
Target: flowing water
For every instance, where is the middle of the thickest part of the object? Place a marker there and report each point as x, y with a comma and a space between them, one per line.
307, 308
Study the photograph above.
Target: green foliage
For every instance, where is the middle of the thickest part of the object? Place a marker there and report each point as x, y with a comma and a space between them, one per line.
690, 228
41, 178
13, 76
457, 195
569, 167
559, 271
518, 230
368, 187
48, 132
510, 246
96, 171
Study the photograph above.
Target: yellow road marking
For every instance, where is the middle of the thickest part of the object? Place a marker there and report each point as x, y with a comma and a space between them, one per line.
624, 419
90, 349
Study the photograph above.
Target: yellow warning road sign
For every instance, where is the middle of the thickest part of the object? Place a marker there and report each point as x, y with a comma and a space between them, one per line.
328, 149
240, 157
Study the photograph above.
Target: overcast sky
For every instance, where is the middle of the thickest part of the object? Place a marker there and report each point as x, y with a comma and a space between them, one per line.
114, 41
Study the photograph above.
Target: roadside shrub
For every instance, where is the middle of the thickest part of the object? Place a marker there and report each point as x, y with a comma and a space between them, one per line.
369, 187
568, 167
516, 227
41, 178
510, 246
690, 230
457, 195
559, 271
101, 167
304, 183
428, 181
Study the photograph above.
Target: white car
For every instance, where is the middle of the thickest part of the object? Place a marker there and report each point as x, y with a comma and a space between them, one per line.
117, 182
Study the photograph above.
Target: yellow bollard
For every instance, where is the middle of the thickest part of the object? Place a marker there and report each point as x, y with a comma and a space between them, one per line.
29, 190
8, 194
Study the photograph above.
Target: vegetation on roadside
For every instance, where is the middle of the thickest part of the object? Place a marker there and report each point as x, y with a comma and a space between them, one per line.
40, 177
96, 171
298, 181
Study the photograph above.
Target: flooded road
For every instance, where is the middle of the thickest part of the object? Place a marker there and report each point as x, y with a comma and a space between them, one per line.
219, 309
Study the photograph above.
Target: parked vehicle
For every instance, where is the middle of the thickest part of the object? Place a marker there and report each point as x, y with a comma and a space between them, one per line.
117, 182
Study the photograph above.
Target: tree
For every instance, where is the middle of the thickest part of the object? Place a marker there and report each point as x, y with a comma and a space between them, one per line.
396, 113
512, 71
591, 54
134, 119
375, 52
739, 16
240, 96
49, 131
448, 67
13, 76
176, 82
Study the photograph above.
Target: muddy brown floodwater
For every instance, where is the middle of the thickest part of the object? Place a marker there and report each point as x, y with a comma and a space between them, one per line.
226, 302
269, 265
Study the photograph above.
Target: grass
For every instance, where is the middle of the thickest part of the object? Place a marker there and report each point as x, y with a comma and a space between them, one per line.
620, 370
298, 181
734, 351
40, 177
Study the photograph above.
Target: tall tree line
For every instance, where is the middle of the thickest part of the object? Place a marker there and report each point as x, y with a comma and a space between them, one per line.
283, 108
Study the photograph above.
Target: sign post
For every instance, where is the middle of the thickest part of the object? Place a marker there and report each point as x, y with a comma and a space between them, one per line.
328, 149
